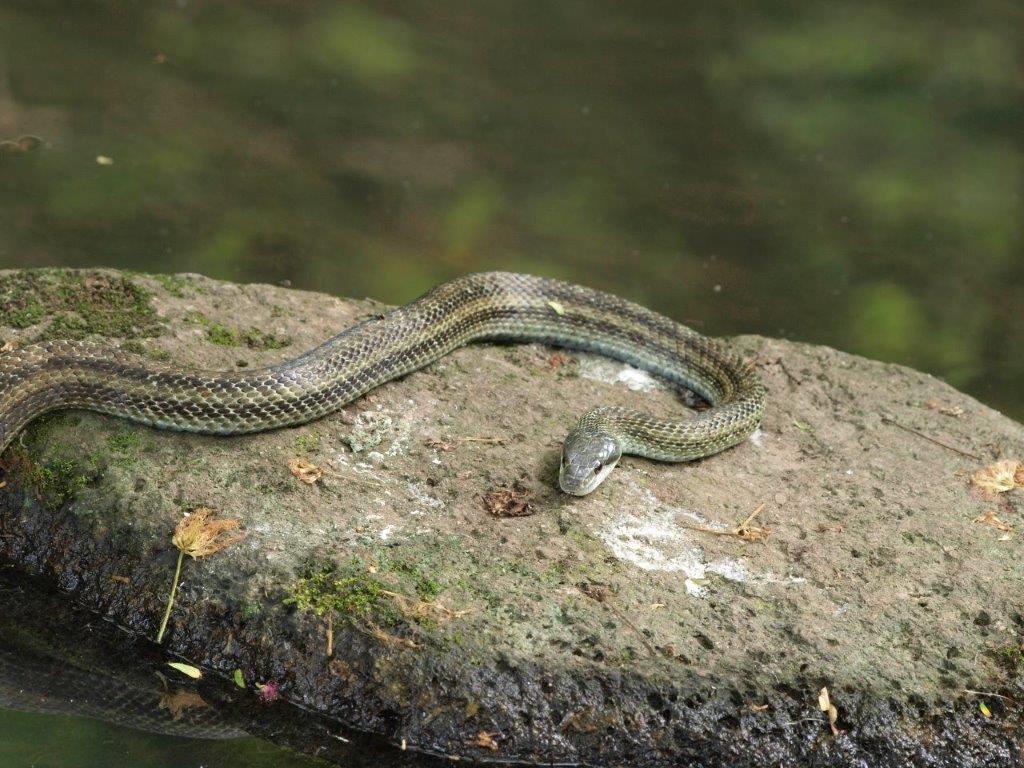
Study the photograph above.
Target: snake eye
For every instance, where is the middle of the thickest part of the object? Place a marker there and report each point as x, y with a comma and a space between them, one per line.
597, 469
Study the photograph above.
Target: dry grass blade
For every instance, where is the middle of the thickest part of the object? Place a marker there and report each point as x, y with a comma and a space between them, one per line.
310, 474
374, 630
306, 471
744, 530
454, 442
992, 520
423, 609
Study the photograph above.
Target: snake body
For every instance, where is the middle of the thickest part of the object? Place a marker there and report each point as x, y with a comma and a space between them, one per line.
492, 306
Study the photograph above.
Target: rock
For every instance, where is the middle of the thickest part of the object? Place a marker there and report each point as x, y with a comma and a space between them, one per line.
615, 629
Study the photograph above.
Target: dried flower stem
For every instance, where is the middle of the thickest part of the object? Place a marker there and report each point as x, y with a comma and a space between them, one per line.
330, 634
170, 600
198, 534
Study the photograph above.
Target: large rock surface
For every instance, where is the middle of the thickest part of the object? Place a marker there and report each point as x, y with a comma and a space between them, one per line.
604, 630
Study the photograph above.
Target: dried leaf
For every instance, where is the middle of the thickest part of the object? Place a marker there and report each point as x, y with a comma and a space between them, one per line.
9, 346
104, 160
508, 502
486, 741
953, 411
557, 360
557, 306
199, 535
824, 702
826, 705
992, 520
1000, 477
186, 669
176, 703
306, 471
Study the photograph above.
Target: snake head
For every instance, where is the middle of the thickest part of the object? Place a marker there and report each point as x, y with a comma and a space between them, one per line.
588, 456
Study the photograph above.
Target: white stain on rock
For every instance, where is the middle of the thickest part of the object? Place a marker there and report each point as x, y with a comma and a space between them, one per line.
652, 539
610, 372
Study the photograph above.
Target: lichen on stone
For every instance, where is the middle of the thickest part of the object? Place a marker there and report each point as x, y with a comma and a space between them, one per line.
369, 429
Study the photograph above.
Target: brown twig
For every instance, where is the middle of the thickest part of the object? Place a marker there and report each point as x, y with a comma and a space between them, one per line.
600, 595
455, 442
947, 446
989, 693
743, 530
792, 379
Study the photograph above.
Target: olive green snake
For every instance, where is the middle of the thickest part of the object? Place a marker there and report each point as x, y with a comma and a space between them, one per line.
491, 306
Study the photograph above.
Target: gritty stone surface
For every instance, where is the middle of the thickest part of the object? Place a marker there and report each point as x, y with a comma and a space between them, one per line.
614, 629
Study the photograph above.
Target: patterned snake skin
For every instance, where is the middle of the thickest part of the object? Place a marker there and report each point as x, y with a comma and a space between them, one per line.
491, 306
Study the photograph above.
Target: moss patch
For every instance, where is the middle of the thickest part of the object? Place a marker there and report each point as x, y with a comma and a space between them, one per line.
352, 593
124, 446
178, 286
225, 336
77, 304
56, 480
161, 355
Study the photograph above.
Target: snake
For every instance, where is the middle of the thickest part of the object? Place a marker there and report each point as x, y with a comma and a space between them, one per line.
498, 307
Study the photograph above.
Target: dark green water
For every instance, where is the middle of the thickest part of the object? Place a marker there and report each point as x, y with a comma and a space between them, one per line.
847, 174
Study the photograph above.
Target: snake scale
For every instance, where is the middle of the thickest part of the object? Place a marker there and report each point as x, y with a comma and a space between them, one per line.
491, 306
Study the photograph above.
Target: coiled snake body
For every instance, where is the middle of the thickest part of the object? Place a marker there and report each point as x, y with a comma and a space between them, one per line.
492, 306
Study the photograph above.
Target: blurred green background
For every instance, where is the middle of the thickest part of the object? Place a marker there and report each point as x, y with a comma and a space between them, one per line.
847, 174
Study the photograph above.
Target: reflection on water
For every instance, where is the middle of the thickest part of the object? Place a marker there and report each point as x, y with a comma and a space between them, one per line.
849, 174
73, 692
76, 691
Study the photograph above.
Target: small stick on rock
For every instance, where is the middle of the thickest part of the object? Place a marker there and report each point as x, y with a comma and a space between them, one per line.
947, 446
601, 595
744, 530
455, 442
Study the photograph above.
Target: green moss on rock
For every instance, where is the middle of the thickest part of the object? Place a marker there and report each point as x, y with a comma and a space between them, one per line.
326, 590
77, 304
225, 336
58, 479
